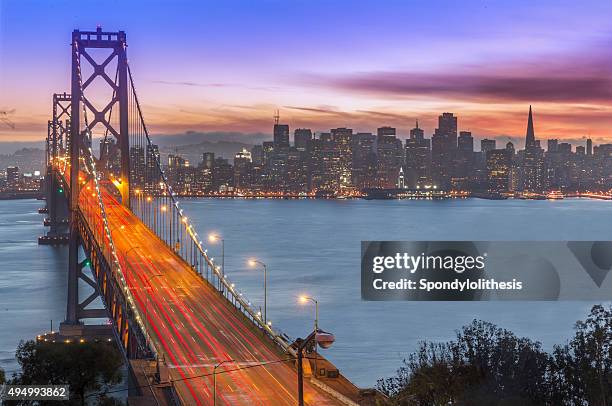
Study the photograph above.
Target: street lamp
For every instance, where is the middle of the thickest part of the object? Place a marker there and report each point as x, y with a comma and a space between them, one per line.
215, 379
321, 338
213, 238
253, 263
305, 299
164, 221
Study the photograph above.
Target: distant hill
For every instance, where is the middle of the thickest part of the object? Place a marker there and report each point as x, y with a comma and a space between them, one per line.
193, 152
191, 145
29, 156
27, 159
10, 147
194, 137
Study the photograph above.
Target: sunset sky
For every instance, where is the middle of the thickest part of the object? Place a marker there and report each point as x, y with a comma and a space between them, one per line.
227, 65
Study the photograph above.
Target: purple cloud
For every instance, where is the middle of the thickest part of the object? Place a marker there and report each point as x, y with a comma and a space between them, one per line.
552, 78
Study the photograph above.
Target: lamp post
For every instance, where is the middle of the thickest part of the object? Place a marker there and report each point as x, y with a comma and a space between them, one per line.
148, 209
321, 338
304, 299
163, 222
253, 263
215, 379
213, 238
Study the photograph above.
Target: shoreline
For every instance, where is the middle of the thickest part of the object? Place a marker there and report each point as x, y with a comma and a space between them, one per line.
590, 196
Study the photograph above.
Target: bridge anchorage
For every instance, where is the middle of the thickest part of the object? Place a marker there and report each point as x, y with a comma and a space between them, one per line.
165, 301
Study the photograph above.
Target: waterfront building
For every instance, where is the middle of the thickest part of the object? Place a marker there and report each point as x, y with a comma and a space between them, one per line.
418, 159
13, 178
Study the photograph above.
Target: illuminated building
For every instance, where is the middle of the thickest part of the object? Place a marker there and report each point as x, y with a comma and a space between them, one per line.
418, 159
533, 161
242, 169
499, 163
390, 157
364, 160
13, 177
137, 167
443, 149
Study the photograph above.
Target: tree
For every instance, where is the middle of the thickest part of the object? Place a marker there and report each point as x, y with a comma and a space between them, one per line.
85, 366
582, 369
484, 364
489, 365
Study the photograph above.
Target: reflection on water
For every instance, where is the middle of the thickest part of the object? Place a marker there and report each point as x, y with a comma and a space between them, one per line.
313, 247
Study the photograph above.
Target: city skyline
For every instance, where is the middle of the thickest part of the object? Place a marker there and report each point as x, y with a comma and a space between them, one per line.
342, 163
200, 75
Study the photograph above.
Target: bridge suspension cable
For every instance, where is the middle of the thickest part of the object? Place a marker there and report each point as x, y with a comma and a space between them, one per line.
155, 203
87, 158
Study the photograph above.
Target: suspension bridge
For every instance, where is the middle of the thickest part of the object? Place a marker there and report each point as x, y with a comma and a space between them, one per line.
132, 244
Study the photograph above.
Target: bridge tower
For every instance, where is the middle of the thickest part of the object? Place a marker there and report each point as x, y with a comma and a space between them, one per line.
58, 129
82, 43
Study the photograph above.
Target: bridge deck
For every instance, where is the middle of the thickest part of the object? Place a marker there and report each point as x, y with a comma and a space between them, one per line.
195, 328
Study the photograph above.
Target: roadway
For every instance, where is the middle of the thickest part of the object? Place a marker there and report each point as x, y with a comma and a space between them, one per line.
194, 328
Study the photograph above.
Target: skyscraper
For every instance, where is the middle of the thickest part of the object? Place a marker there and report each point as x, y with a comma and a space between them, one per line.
533, 160
447, 125
302, 138
343, 140
417, 133
390, 157
487, 145
364, 160
153, 174
498, 170
589, 147
13, 177
464, 161
281, 135
206, 171
418, 159
466, 142
242, 169
530, 140
137, 167
385, 131
208, 160
443, 150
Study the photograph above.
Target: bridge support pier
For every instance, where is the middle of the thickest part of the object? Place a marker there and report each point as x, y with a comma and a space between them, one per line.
57, 208
75, 309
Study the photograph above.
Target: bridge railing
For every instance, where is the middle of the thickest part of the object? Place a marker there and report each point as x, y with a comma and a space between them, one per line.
155, 202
